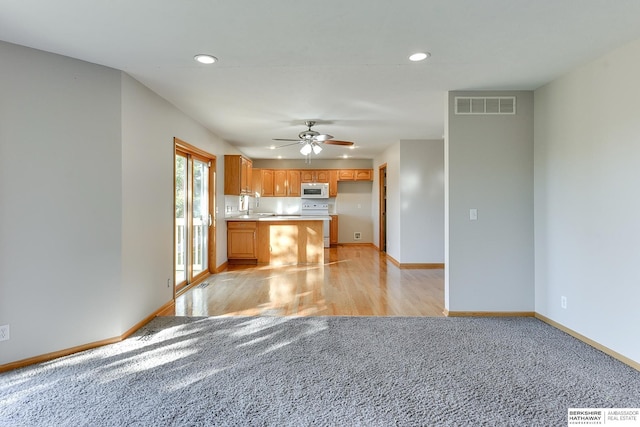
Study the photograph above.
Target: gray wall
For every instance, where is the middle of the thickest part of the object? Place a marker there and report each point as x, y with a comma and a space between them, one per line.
587, 176
422, 201
149, 124
86, 191
60, 202
415, 201
353, 205
490, 168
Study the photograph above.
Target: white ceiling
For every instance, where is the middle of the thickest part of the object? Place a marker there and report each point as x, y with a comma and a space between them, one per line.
340, 62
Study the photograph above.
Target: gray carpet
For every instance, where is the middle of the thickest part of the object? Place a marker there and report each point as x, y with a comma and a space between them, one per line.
322, 371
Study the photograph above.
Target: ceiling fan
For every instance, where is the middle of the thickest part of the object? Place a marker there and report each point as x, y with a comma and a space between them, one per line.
311, 140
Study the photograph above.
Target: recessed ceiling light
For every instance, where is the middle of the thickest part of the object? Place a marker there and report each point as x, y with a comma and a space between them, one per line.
272, 147
344, 156
419, 56
205, 59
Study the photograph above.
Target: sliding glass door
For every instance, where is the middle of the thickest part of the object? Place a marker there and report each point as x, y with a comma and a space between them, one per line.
201, 220
181, 219
194, 225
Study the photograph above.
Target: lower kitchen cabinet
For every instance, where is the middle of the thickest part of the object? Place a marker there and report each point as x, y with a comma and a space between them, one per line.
241, 242
333, 230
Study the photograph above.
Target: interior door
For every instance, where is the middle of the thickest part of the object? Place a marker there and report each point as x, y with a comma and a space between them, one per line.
382, 217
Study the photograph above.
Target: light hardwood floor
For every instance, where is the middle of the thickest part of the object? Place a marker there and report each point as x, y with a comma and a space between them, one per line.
354, 281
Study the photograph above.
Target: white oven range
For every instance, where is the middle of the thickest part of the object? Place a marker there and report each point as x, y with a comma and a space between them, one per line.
317, 207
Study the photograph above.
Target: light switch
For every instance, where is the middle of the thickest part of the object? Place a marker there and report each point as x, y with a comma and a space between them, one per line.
473, 214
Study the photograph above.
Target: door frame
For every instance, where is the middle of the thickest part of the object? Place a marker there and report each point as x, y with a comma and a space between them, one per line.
382, 207
184, 147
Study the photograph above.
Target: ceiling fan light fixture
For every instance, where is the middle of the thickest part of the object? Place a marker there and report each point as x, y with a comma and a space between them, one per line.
316, 148
306, 149
203, 58
419, 56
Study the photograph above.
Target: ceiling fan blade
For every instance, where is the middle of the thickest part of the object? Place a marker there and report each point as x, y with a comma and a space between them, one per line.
322, 137
286, 145
286, 139
336, 142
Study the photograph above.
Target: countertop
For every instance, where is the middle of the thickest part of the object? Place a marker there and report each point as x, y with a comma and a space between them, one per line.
270, 217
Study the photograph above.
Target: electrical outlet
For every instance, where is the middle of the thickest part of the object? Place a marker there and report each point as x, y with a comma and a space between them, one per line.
357, 235
563, 302
4, 332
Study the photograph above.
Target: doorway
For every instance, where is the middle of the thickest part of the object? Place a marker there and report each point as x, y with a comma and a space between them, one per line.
382, 217
194, 222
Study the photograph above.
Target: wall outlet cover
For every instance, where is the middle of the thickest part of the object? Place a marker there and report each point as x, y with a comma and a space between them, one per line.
4, 332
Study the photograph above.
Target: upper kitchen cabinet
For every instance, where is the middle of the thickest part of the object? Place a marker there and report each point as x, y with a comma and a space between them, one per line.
333, 183
262, 182
276, 182
286, 183
355, 175
293, 181
237, 175
314, 175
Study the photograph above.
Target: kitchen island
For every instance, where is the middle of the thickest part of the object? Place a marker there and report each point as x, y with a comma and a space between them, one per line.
275, 239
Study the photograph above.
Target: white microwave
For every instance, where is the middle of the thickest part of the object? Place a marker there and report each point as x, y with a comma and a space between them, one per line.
314, 190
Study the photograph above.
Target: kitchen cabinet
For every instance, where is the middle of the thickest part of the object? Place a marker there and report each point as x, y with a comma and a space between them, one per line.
290, 242
333, 230
241, 242
280, 187
355, 175
293, 180
314, 176
237, 175
286, 182
333, 183
276, 182
262, 182
346, 175
364, 175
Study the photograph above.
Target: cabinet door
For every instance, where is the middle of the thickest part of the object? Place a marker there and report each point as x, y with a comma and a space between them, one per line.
267, 182
246, 175
333, 183
237, 175
322, 176
241, 240
256, 181
280, 182
346, 175
307, 176
232, 172
293, 183
363, 175
333, 230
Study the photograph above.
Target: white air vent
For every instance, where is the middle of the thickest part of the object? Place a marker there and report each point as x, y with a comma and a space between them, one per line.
485, 104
